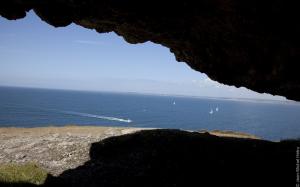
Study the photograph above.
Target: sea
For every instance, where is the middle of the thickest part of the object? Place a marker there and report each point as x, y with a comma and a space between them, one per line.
267, 119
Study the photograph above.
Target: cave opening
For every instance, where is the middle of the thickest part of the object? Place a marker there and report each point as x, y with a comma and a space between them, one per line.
92, 109
38, 55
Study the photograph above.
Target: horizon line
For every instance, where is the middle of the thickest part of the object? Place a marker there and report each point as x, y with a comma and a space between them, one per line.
249, 99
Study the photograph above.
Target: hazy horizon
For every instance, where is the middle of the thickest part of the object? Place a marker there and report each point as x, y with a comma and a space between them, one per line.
34, 54
153, 94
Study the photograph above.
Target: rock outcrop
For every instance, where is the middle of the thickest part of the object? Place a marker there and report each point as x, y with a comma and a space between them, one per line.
54, 149
248, 43
106, 157
165, 157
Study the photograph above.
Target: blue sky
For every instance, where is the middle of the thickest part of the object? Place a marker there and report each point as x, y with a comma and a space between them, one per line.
35, 54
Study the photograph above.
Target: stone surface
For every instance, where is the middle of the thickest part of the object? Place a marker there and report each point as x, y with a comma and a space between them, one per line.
55, 149
115, 156
248, 43
165, 157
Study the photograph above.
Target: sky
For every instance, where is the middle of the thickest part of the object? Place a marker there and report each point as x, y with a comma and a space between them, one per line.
35, 54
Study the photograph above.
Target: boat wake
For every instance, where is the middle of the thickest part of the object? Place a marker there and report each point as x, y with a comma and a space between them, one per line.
97, 116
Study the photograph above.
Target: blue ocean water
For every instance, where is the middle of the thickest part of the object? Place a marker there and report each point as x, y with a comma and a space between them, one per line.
24, 107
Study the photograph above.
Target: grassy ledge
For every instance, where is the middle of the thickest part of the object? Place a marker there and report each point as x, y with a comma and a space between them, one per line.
22, 173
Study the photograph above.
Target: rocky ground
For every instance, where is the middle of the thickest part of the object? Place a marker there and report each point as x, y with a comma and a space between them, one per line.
74, 156
57, 149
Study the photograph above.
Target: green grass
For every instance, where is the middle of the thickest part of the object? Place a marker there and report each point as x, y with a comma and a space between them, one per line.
22, 173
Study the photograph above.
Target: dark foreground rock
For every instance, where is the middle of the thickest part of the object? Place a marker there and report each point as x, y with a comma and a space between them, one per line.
180, 158
250, 43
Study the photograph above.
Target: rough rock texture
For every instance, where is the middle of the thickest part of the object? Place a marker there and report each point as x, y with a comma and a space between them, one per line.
55, 149
165, 157
157, 157
250, 43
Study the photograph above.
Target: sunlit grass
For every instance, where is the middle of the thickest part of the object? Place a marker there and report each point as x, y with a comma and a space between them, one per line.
22, 173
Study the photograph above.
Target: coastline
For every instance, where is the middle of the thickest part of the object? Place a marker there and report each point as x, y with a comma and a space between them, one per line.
57, 149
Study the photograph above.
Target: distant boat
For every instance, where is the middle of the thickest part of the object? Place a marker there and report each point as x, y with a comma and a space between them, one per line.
217, 109
211, 111
174, 103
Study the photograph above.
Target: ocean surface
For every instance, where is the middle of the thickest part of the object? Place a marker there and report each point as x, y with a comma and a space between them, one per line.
26, 107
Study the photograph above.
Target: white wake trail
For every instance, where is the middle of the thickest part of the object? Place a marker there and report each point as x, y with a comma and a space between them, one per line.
97, 116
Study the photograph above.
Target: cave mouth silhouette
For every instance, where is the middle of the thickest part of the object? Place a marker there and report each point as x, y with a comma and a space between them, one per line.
165, 157
254, 44
244, 43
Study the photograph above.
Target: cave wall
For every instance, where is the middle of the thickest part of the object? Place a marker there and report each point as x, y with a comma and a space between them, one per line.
250, 43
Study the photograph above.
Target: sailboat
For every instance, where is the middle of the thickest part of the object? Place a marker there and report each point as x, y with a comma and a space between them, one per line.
217, 109
174, 103
211, 111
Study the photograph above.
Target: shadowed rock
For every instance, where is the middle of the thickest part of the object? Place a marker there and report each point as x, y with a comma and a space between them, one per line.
180, 158
250, 43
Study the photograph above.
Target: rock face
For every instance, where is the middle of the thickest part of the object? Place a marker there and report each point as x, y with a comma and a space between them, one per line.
248, 43
54, 149
179, 158
157, 157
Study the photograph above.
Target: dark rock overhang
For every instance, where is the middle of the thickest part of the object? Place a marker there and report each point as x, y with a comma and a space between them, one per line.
250, 43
